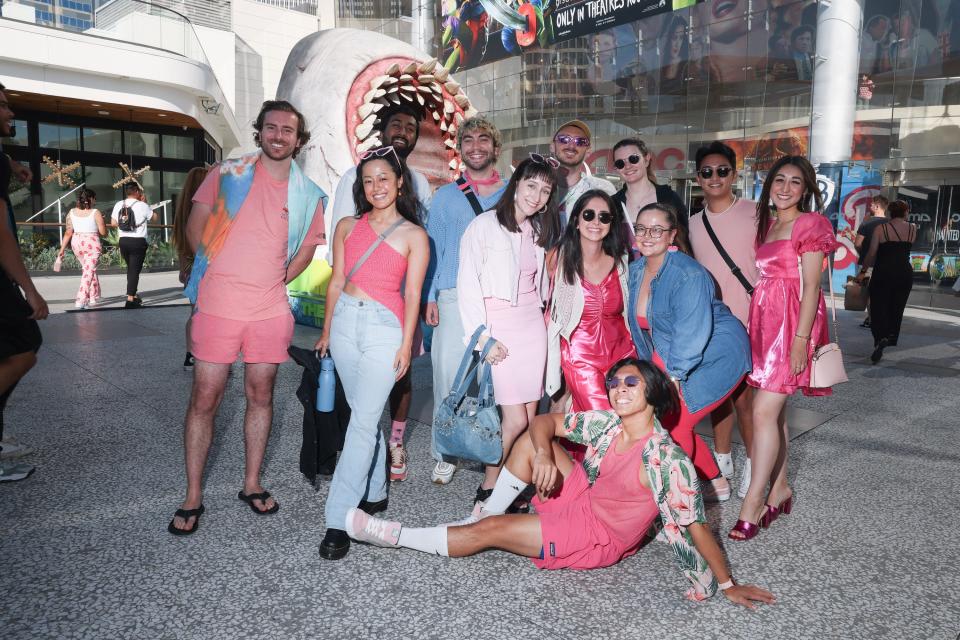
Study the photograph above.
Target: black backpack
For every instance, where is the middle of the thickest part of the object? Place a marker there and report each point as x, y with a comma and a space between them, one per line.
126, 218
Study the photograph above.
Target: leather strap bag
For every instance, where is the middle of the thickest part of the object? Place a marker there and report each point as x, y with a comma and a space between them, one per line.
465, 426
826, 366
726, 256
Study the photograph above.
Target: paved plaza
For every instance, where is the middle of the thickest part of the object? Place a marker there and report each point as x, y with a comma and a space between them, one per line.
869, 552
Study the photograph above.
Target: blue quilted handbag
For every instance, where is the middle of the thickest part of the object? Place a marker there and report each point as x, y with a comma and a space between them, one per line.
469, 427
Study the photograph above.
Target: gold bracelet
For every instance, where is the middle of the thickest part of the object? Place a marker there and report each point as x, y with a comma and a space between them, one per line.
797, 335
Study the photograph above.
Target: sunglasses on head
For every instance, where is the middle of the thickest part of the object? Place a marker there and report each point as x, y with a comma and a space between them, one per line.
580, 141
379, 153
707, 172
620, 164
553, 162
588, 215
614, 381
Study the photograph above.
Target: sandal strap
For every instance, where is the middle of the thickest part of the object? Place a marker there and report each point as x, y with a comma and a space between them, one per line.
250, 497
188, 513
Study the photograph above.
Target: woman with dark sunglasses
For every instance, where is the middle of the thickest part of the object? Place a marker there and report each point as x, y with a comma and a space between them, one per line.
502, 285
678, 324
634, 164
595, 513
588, 329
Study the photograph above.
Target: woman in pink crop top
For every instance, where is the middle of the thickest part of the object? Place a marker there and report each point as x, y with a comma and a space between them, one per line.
370, 330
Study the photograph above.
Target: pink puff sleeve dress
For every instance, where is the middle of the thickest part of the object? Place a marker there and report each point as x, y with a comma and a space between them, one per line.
775, 308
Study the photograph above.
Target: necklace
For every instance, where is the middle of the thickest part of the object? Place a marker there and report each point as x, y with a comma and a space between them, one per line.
735, 199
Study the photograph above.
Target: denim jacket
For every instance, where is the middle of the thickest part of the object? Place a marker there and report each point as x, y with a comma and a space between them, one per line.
701, 343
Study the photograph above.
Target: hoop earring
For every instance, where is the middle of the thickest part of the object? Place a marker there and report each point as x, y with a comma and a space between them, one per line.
541, 210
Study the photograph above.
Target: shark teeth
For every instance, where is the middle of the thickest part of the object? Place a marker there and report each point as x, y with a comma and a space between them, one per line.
367, 108
373, 94
393, 70
428, 66
410, 68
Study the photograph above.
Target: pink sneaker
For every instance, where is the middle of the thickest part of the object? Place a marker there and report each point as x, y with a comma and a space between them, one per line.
398, 463
365, 528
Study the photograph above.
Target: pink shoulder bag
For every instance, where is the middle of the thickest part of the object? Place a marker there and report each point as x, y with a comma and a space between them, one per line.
826, 366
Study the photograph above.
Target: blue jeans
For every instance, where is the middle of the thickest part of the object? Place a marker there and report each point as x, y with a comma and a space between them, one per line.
364, 339
446, 352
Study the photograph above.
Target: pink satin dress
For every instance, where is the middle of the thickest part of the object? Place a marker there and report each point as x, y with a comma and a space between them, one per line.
600, 340
775, 308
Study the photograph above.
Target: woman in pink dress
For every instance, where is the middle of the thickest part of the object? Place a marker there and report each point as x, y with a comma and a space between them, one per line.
501, 284
788, 320
588, 329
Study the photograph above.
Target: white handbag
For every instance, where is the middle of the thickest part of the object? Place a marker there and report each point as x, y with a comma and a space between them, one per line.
826, 365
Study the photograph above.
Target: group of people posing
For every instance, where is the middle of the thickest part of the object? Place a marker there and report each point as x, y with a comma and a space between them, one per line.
637, 320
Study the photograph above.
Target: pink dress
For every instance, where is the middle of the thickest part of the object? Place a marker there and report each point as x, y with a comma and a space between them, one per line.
775, 308
600, 340
585, 527
519, 377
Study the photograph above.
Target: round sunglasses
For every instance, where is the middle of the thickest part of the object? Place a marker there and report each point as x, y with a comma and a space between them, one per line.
620, 164
707, 172
588, 215
614, 381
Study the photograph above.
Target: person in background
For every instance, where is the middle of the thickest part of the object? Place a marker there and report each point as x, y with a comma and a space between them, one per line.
502, 285
674, 54
864, 236
451, 211
133, 244
730, 218
678, 324
588, 331
85, 225
570, 146
634, 163
370, 332
181, 218
892, 277
788, 317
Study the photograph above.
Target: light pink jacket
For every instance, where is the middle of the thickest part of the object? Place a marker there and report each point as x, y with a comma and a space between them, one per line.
490, 268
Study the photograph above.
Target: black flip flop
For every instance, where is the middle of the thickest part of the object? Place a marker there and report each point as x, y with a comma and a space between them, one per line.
262, 497
186, 514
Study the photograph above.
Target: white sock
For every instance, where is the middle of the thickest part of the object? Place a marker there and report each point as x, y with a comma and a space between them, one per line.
507, 489
430, 540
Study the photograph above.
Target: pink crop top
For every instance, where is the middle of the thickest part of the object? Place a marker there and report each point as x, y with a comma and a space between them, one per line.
380, 276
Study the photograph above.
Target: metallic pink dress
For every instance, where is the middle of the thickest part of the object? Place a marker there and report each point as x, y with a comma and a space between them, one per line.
775, 308
600, 340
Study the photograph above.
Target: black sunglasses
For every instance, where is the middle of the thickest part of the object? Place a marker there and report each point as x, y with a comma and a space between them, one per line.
614, 381
620, 164
707, 172
588, 215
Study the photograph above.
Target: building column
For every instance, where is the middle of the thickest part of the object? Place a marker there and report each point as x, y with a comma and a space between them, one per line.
835, 81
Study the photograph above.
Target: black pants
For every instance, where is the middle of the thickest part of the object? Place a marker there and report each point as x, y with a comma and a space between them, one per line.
888, 298
134, 252
18, 333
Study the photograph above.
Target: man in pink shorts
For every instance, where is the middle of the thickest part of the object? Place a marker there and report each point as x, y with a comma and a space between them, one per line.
254, 226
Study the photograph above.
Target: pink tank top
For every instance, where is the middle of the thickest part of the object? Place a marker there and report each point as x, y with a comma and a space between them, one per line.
620, 502
380, 276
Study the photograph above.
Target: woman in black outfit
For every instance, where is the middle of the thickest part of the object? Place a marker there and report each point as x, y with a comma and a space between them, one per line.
892, 277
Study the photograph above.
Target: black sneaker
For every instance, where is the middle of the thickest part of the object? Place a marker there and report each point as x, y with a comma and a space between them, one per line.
373, 508
188, 362
878, 351
335, 544
136, 303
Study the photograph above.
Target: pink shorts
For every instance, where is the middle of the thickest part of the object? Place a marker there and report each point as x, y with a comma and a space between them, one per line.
221, 340
572, 536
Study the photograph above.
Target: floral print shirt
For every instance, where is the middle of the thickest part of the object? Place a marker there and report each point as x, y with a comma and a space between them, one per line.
673, 481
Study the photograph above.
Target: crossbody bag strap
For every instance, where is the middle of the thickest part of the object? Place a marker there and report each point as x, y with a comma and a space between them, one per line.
726, 256
470, 195
833, 303
372, 248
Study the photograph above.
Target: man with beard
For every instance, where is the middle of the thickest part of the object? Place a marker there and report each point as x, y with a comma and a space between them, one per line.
19, 311
454, 206
254, 226
570, 146
401, 130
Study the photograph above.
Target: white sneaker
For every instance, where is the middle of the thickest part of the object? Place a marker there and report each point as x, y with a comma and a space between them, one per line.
13, 449
716, 490
15, 471
443, 472
366, 528
744, 479
725, 462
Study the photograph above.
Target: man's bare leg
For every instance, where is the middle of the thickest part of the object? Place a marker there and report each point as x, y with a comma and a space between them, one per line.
258, 384
209, 381
14, 368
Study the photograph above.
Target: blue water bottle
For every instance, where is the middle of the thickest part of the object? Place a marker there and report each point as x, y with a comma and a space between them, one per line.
326, 385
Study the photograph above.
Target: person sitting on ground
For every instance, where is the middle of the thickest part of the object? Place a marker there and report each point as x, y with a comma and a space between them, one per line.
593, 515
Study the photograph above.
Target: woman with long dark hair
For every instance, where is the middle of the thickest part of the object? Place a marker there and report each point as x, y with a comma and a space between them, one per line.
369, 331
85, 225
788, 319
674, 54
892, 278
502, 285
588, 329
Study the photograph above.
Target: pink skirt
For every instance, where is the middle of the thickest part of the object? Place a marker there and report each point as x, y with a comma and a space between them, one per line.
519, 377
